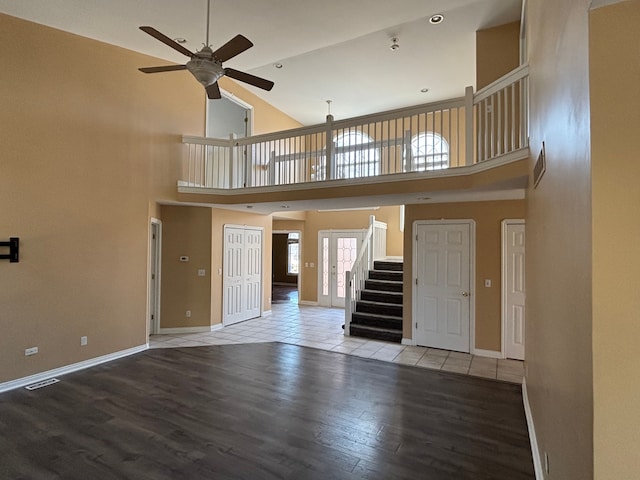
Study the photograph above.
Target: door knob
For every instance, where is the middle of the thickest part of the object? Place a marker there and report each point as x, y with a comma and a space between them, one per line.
466, 294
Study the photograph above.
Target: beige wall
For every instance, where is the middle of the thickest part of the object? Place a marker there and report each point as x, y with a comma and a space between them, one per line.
615, 171
497, 52
186, 231
558, 260
488, 217
89, 148
87, 142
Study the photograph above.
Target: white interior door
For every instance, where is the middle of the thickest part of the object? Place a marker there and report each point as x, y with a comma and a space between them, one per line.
513, 288
253, 272
242, 281
442, 285
338, 251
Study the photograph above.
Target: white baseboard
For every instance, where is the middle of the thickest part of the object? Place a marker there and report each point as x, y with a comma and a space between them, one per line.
168, 331
216, 327
267, 313
407, 341
487, 353
308, 303
535, 452
74, 367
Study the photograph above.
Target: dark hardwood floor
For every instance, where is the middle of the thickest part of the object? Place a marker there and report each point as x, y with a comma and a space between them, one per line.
263, 411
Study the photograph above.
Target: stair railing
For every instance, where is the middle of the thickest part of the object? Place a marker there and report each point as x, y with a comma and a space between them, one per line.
373, 247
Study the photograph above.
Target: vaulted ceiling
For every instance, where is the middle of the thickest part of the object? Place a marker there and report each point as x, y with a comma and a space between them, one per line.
334, 50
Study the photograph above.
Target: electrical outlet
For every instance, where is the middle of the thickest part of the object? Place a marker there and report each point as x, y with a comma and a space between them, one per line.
83, 341
487, 283
202, 272
188, 314
546, 463
30, 351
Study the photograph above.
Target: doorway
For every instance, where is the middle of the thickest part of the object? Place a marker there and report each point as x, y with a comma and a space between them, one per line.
286, 252
513, 288
228, 116
337, 252
242, 280
443, 262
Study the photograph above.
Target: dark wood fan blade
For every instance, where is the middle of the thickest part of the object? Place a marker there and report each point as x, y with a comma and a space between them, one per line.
248, 78
233, 47
213, 91
166, 68
166, 40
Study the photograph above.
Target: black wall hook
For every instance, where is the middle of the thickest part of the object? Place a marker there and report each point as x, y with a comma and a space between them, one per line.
14, 250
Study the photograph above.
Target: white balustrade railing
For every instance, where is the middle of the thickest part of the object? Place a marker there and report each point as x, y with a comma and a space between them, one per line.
372, 248
455, 133
501, 113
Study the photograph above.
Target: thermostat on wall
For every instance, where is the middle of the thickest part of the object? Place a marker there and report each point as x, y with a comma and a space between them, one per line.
184, 258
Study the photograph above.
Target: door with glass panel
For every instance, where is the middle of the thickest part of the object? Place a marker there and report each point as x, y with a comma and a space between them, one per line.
337, 251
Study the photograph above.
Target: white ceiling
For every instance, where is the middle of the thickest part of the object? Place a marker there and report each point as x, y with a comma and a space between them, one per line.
331, 49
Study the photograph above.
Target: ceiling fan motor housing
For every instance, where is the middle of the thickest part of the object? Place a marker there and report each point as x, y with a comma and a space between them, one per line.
202, 66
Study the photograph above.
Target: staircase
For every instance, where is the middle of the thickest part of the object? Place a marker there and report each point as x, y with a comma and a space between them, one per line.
378, 312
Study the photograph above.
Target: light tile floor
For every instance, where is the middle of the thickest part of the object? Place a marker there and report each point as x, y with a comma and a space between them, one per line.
318, 327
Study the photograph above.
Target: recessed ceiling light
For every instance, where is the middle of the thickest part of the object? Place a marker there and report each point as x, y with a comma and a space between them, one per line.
278, 65
180, 40
249, 206
285, 206
436, 19
394, 44
424, 198
424, 90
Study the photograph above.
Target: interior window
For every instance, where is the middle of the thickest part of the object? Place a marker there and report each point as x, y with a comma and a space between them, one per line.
430, 151
356, 155
293, 254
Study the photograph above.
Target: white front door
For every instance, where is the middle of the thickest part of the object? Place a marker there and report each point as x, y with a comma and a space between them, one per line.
337, 251
442, 285
242, 281
513, 288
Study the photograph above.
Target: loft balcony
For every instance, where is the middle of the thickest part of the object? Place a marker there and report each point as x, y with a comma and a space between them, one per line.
443, 145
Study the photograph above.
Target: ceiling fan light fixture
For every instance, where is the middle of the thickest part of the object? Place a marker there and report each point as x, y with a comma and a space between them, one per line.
206, 71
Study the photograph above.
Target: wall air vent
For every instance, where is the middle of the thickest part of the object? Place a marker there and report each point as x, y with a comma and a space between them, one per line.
44, 383
539, 167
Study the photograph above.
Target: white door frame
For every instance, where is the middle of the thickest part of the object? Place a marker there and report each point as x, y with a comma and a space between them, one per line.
231, 97
224, 265
153, 301
472, 275
503, 324
354, 231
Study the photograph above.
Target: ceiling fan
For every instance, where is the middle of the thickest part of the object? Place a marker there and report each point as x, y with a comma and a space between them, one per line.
206, 65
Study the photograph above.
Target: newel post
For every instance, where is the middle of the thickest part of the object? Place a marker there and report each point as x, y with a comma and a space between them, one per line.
331, 160
348, 280
468, 126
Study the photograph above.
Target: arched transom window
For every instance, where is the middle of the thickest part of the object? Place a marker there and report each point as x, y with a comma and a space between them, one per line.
429, 151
